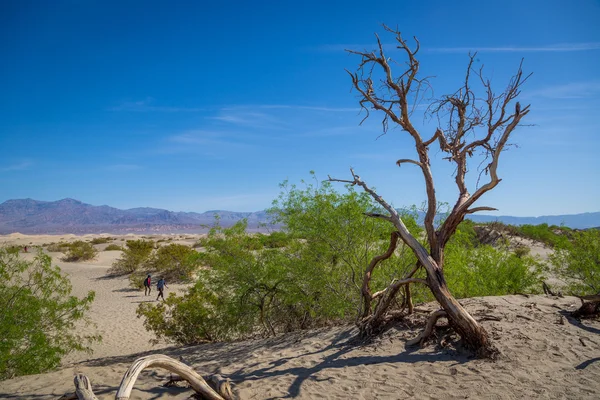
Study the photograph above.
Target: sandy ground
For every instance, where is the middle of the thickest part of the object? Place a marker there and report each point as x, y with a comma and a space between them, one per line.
544, 354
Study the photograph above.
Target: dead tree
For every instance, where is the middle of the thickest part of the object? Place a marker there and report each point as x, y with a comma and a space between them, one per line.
472, 126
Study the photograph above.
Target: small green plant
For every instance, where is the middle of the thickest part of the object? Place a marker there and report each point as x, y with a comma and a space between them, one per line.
522, 251
38, 315
80, 251
113, 247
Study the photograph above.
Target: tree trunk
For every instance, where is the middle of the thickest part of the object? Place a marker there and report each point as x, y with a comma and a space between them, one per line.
473, 335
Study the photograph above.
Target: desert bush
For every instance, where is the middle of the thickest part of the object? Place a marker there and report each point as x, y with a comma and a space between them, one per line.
175, 262
485, 270
101, 240
38, 315
136, 254
578, 262
112, 247
60, 247
80, 251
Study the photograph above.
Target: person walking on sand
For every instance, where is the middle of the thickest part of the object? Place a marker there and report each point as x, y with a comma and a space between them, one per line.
161, 285
147, 285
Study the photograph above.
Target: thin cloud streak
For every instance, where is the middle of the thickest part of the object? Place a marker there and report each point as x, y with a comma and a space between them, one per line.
146, 105
20, 166
123, 167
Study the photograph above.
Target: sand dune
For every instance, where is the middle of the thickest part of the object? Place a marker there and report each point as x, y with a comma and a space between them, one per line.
544, 355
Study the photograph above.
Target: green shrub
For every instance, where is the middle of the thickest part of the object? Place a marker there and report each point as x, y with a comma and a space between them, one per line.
60, 247
484, 270
112, 247
38, 315
80, 251
252, 285
175, 262
578, 262
101, 240
136, 254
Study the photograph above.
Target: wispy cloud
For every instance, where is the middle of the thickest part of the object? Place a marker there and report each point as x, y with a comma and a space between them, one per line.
310, 108
123, 167
19, 166
573, 90
205, 142
245, 118
147, 105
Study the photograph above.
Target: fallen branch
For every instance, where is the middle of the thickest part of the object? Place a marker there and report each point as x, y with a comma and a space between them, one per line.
158, 360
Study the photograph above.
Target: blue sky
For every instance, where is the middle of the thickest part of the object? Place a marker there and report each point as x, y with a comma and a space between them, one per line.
194, 106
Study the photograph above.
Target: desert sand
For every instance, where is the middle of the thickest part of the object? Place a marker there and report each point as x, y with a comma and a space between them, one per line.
544, 353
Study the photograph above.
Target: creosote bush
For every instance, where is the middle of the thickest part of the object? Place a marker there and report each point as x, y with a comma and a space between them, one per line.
135, 255
113, 247
175, 262
578, 262
80, 251
37, 316
101, 240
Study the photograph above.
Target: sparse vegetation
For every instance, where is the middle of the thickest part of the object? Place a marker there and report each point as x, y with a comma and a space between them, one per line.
38, 315
553, 236
113, 247
101, 240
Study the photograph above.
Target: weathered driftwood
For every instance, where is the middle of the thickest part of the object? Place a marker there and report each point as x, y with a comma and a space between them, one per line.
220, 390
158, 360
83, 388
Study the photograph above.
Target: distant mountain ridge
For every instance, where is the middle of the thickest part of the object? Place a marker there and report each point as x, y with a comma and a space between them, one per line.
30, 216
74, 216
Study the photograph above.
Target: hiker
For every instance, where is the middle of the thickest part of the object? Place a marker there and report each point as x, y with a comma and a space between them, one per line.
147, 285
161, 285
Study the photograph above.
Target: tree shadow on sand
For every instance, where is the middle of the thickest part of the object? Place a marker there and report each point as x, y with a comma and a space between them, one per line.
578, 323
335, 361
211, 358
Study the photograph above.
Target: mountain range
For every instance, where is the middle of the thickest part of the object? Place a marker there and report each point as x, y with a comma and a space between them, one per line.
30, 216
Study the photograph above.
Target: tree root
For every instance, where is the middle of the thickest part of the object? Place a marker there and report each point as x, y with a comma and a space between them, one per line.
587, 310
217, 388
423, 336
